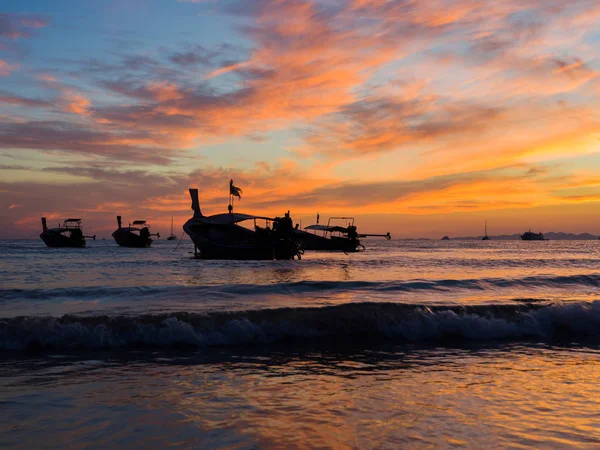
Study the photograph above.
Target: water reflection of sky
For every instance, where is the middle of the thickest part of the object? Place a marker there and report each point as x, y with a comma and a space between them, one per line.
515, 396
165, 277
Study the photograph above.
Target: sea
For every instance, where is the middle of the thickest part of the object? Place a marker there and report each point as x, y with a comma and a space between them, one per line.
416, 344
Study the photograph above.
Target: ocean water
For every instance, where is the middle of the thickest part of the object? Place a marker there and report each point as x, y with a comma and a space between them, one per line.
410, 344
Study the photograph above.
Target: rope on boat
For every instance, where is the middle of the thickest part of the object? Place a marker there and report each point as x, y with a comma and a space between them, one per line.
180, 239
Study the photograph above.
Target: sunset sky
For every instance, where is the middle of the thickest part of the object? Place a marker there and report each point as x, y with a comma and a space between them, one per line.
419, 117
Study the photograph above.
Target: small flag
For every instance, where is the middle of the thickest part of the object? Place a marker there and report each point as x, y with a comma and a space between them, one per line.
234, 190
318, 217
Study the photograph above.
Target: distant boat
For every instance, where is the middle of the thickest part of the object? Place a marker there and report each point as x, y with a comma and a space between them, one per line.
137, 236
68, 234
485, 236
171, 237
445, 238
530, 236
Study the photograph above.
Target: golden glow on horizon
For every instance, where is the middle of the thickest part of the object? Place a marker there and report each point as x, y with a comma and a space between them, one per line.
502, 115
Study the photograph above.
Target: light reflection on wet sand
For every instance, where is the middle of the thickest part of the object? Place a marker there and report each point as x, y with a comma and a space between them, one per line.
517, 396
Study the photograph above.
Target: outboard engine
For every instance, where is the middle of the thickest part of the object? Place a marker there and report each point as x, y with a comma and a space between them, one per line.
352, 233
286, 246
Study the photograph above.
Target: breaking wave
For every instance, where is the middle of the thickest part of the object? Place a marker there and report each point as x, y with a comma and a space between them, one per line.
352, 321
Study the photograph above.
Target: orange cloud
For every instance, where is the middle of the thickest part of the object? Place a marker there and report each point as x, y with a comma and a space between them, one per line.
455, 99
75, 103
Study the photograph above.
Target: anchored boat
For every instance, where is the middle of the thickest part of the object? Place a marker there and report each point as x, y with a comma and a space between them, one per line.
67, 234
171, 237
135, 235
335, 237
241, 236
530, 236
485, 235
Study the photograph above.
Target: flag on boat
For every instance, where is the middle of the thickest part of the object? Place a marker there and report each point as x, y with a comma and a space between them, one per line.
234, 190
318, 217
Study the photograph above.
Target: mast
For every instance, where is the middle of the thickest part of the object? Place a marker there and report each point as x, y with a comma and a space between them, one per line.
171, 225
485, 233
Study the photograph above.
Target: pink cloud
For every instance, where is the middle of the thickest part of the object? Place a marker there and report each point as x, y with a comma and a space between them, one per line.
6, 69
359, 78
14, 26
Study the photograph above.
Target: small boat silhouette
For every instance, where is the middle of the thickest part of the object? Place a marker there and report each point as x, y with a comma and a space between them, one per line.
137, 236
485, 235
67, 234
171, 237
531, 236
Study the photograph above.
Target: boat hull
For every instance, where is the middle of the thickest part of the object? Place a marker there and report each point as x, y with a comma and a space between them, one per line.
247, 244
128, 239
529, 236
312, 241
59, 240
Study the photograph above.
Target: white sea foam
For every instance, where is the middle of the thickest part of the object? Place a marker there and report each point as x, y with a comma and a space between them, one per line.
415, 323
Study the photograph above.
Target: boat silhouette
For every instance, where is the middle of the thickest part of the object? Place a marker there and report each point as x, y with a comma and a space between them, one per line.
171, 237
531, 236
334, 237
221, 236
136, 235
485, 235
67, 234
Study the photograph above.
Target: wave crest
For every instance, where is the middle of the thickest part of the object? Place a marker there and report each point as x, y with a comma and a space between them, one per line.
358, 321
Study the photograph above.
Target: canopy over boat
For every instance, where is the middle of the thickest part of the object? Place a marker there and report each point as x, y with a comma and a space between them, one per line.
139, 222
72, 220
326, 228
232, 218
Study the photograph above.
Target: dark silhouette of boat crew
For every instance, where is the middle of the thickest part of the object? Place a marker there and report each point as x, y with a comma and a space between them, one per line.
67, 234
136, 235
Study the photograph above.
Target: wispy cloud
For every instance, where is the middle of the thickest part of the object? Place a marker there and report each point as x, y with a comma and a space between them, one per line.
15, 26
453, 91
6, 69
